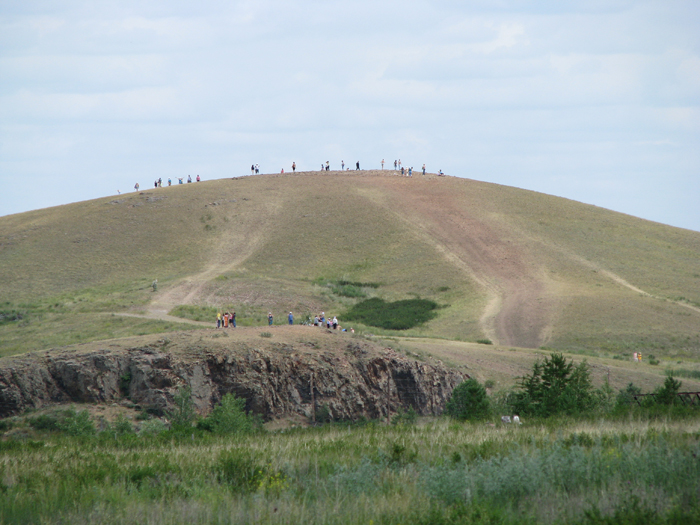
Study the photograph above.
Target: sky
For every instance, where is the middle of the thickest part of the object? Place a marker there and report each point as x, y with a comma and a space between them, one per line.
597, 101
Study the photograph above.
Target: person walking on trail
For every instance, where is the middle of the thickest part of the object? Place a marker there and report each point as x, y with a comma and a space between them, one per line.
357, 165
218, 320
290, 318
233, 319
269, 319
423, 169
382, 163
294, 166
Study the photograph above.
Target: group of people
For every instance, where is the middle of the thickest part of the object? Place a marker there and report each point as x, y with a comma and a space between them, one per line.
408, 172
329, 323
159, 182
226, 320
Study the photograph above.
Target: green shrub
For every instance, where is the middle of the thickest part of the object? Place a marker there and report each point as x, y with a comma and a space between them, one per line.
407, 417
266, 334
122, 425
323, 414
626, 397
240, 471
183, 414
9, 316
229, 417
76, 423
44, 422
555, 387
5, 424
152, 427
468, 401
484, 341
397, 315
125, 383
668, 394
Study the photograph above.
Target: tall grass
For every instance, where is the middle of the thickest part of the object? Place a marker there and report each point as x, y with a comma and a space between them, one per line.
435, 472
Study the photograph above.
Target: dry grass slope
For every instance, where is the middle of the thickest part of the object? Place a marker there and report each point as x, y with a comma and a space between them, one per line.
520, 268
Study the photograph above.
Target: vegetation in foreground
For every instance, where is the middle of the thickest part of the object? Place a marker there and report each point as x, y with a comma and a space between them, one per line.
625, 471
620, 463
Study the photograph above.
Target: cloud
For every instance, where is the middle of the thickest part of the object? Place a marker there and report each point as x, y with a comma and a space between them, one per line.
542, 95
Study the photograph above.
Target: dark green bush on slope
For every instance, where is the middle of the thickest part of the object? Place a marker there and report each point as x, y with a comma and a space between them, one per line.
397, 315
229, 418
555, 387
468, 401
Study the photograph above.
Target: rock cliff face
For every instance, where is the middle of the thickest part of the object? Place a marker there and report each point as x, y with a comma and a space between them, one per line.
353, 379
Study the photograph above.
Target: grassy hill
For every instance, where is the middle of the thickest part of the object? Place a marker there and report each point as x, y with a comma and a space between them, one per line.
519, 268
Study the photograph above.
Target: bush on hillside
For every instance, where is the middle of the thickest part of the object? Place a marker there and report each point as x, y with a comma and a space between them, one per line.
76, 423
229, 417
468, 401
555, 387
668, 394
182, 416
397, 315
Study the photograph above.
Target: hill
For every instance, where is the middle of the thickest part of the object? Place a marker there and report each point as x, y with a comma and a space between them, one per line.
516, 267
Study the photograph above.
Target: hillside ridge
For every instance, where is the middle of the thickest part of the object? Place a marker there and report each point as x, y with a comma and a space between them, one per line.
519, 268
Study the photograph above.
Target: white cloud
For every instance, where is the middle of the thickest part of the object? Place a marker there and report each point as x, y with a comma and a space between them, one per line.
542, 95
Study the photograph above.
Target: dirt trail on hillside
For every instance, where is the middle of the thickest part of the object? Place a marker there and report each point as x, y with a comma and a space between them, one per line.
520, 303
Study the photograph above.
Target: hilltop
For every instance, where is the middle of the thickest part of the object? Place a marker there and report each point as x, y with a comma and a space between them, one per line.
518, 268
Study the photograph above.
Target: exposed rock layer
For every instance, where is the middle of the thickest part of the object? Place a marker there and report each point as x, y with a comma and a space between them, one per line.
354, 380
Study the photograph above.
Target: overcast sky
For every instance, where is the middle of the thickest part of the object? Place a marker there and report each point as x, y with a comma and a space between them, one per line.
597, 101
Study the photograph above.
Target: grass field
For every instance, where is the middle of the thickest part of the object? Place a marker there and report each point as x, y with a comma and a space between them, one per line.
638, 469
519, 268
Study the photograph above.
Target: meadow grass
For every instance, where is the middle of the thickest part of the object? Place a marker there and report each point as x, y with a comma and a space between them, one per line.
436, 471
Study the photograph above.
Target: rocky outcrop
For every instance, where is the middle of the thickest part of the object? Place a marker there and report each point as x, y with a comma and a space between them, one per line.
353, 381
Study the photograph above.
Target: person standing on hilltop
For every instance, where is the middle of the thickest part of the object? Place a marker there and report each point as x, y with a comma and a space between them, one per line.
395, 165
198, 179
218, 320
399, 163
328, 166
252, 169
189, 179
170, 182
357, 165
294, 166
269, 318
136, 186
342, 165
233, 318
382, 163
423, 169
